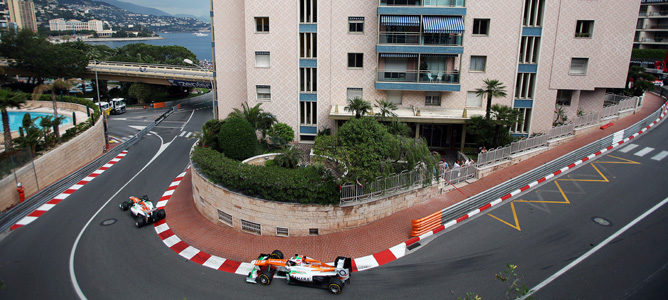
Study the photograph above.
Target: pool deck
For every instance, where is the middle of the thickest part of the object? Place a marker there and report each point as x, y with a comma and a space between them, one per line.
81, 116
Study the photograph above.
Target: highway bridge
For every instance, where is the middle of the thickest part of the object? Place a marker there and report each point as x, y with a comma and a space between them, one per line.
139, 72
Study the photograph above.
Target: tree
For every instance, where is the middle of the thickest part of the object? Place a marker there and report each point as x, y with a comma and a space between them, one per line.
237, 139
144, 93
281, 134
492, 88
9, 100
385, 109
359, 106
31, 138
259, 119
210, 132
503, 117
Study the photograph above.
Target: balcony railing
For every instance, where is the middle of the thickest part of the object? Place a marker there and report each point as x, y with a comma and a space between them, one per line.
416, 38
437, 3
424, 76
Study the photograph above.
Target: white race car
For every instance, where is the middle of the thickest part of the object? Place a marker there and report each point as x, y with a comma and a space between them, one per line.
301, 270
143, 211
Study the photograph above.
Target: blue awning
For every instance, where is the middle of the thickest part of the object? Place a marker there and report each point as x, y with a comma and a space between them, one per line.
400, 20
398, 55
443, 24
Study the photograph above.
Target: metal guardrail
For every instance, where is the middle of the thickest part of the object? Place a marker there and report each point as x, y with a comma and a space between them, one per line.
10, 217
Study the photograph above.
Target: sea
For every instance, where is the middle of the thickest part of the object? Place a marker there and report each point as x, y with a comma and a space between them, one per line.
199, 44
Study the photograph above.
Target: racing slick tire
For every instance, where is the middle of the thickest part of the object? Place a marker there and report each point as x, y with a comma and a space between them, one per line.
264, 278
161, 214
125, 205
335, 286
276, 254
139, 221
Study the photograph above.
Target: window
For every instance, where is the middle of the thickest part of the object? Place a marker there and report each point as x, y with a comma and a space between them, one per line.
308, 11
261, 24
354, 93
308, 45
472, 100
313, 231
529, 49
524, 122
579, 66
263, 93
355, 60
225, 217
481, 26
584, 28
533, 12
308, 113
524, 87
261, 59
308, 80
394, 97
432, 99
281, 231
564, 97
251, 227
356, 24
478, 63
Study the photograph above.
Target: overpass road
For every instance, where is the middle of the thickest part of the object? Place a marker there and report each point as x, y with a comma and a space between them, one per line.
540, 231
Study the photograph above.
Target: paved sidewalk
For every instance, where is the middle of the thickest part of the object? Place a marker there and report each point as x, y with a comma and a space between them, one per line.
187, 223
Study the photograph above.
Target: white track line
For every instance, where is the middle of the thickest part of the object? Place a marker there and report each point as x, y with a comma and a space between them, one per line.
628, 148
660, 156
644, 151
593, 250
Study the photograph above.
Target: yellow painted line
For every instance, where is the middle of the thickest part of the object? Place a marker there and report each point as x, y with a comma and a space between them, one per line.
566, 201
517, 224
625, 161
590, 180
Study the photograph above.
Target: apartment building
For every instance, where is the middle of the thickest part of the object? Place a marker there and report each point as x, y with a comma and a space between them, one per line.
652, 27
302, 59
22, 13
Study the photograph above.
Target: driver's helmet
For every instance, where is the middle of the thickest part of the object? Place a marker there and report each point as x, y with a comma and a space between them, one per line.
297, 260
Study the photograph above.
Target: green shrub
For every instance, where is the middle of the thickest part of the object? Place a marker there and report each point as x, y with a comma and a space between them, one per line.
281, 133
301, 185
210, 132
288, 159
658, 54
237, 139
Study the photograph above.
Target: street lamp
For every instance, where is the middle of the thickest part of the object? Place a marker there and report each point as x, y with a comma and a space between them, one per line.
213, 101
99, 106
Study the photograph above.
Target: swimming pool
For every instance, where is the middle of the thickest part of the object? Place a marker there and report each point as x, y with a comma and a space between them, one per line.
16, 119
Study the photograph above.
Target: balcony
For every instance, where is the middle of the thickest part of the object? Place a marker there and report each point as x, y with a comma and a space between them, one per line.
399, 71
438, 3
415, 76
418, 38
440, 34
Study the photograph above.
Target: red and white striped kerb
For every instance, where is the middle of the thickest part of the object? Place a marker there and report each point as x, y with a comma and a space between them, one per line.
49, 205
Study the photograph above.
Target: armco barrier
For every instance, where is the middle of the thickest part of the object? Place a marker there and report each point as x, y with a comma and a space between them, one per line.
425, 227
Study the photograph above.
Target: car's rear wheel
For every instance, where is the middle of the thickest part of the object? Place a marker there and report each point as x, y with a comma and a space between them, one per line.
264, 278
335, 286
161, 214
139, 221
277, 254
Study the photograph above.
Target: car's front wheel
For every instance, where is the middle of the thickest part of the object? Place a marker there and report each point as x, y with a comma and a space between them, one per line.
264, 278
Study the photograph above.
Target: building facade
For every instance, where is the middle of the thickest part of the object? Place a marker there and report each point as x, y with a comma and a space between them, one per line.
302, 59
76, 25
22, 13
652, 27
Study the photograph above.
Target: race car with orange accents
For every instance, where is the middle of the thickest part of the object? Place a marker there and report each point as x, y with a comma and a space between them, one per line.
301, 270
143, 210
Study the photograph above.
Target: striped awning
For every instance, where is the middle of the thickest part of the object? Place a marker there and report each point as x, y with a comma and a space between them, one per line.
443, 24
400, 20
398, 55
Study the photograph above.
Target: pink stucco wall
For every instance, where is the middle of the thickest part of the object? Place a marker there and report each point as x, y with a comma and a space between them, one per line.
230, 54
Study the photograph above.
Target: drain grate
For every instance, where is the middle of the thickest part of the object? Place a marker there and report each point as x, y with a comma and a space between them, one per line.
601, 221
108, 222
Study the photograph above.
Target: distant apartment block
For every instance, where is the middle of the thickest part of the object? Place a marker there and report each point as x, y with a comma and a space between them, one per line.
22, 13
302, 59
4, 15
652, 27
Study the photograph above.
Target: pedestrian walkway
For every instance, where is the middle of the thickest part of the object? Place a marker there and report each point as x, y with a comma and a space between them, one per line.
191, 227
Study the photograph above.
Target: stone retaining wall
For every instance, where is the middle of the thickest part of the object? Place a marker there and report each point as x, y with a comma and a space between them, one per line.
57, 163
217, 203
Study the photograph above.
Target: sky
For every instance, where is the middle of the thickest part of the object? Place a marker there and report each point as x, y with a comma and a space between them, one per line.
189, 7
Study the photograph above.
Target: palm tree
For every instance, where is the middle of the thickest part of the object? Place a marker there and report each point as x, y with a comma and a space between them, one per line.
492, 88
256, 116
59, 85
359, 106
386, 108
8, 100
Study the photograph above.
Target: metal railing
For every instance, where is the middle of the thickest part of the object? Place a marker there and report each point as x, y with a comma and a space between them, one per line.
457, 175
418, 76
384, 187
441, 3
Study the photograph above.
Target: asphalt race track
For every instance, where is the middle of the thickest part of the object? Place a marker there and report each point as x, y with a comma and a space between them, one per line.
541, 231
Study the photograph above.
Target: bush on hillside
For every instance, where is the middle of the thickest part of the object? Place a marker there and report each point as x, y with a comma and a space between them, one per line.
237, 139
301, 185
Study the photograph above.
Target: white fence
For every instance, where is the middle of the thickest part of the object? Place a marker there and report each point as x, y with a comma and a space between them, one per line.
503, 153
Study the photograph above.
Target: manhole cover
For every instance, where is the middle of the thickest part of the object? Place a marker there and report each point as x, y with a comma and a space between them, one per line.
601, 221
108, 222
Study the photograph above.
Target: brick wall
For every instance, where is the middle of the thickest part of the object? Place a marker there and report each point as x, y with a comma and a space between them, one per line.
55, 164
298, 218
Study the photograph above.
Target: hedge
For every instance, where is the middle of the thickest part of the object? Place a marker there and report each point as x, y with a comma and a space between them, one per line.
308, 185
657, 54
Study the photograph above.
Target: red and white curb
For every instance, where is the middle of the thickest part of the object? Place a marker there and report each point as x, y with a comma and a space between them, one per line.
472, 213
189, 252
57, 199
